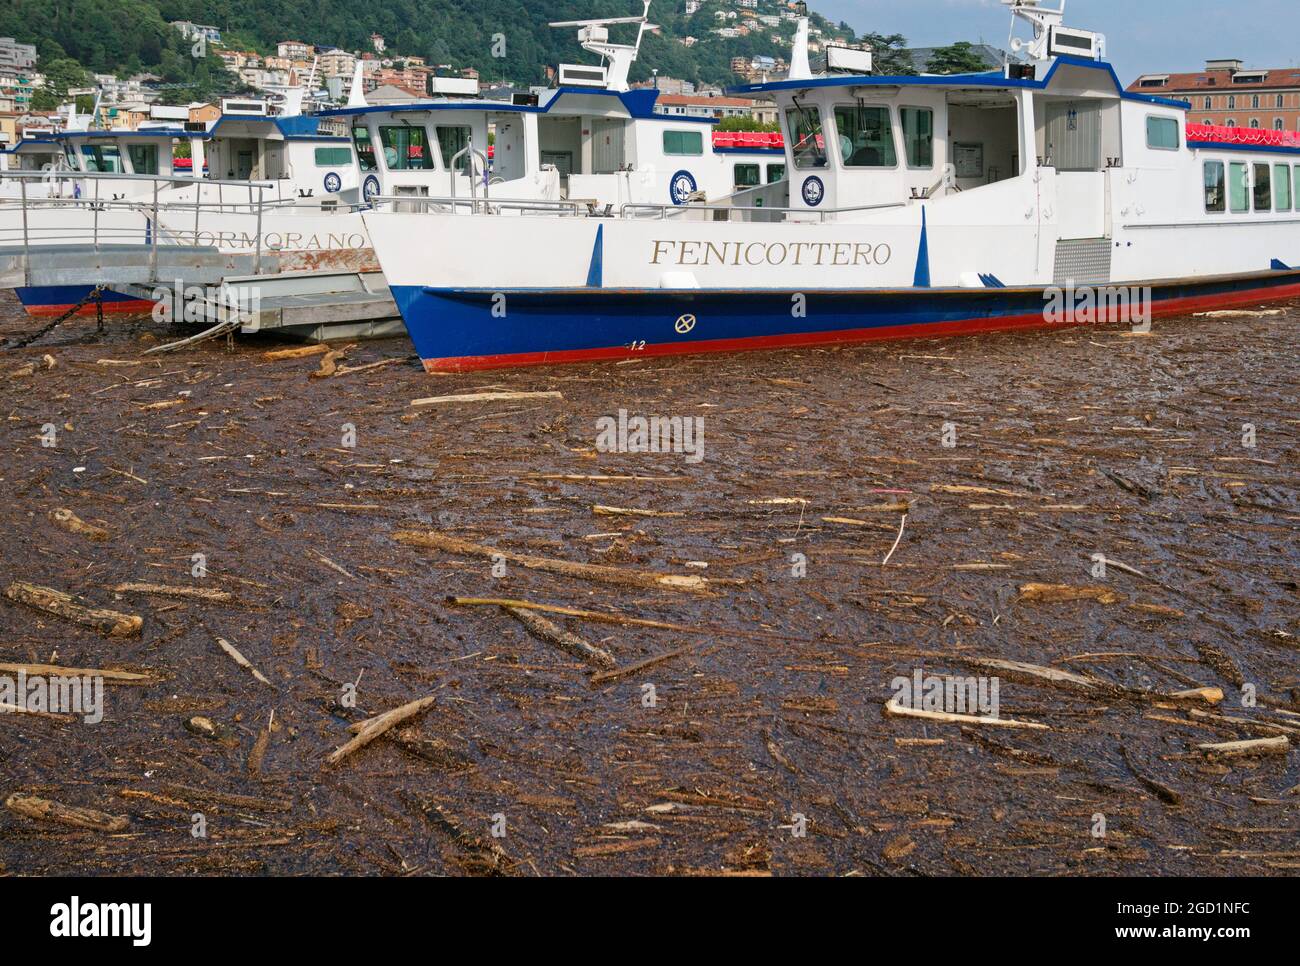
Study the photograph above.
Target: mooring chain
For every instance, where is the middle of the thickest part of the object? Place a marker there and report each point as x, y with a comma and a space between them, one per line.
96, 294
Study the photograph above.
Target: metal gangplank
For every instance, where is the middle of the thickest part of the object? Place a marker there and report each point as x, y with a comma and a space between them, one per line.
79, 228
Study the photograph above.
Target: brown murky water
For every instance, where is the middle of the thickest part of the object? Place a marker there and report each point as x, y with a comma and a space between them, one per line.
765, 717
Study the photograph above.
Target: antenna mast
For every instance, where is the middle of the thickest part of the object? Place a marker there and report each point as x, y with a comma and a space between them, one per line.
593, 35
1041, 18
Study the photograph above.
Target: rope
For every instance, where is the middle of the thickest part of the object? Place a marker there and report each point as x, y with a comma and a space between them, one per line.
96, 294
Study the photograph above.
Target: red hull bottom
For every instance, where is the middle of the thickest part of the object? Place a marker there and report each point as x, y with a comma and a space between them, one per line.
1161, 309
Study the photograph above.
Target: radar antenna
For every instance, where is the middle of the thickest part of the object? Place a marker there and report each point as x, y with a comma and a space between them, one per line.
1042, 19
593, 35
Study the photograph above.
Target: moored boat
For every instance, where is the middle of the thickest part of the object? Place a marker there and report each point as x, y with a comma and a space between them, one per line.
1043, 194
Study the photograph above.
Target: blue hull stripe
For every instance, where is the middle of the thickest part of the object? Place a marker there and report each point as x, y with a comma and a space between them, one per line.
453, 323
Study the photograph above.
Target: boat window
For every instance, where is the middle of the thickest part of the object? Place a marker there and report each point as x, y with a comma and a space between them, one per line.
144, 158
105, 159
365, 148
1263, 188
1238, 188
918, 136
866, 137
748, 176
453, 139
684, 143
405, 148
808, 144
70, 156
333, 157
1282, 177
1215, 198
776, 172
1162, 133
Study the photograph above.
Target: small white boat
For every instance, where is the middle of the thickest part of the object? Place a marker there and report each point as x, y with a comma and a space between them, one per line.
592, 144
1042, 194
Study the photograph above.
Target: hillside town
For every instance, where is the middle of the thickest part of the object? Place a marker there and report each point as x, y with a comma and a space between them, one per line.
388, 76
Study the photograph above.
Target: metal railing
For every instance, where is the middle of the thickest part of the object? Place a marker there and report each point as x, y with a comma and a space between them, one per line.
662, 212
424, 204
150, 205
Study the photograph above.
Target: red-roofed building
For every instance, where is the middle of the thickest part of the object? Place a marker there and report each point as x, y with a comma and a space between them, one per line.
1226, 94
698, 105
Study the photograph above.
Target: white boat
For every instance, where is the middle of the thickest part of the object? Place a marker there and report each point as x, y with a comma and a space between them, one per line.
1042, 194
592, 144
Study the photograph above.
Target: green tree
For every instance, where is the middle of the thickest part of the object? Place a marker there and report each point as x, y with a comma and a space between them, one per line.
889, 57
745, 124
61, 76
960, 58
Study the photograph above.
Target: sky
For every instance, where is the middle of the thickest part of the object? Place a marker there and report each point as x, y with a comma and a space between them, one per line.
1142, 36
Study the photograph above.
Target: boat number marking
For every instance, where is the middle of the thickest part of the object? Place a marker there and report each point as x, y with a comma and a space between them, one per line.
685, 324
814, 190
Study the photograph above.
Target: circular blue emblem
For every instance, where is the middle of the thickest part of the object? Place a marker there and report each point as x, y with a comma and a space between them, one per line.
333, 183
681, 187
371, 187
813, 191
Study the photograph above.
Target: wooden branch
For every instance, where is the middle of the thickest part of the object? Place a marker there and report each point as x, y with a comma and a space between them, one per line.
605, 677
163, 590
107, 622
485, 397
369, 730
1279, 745
607, 575
43, 808
299, 353
553, 633
896, 710
241, 660
53, 670
67, 520
1055, 593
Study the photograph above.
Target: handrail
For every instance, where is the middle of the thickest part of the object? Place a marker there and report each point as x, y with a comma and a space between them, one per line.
663, 209
68, 174
473, 175
523, 204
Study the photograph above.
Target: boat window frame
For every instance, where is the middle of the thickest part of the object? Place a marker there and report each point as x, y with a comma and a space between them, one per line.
800, 113
408, 128
1255, 188
902, 133
146, 147
444, 158
1282, 185
1178, 132
1244, 167
686, 132
1223, 185
335, 164
95, 152
757, 168
363, 165
893, 135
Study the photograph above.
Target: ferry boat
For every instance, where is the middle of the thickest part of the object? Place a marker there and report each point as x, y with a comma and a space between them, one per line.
594, 144
915, 207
